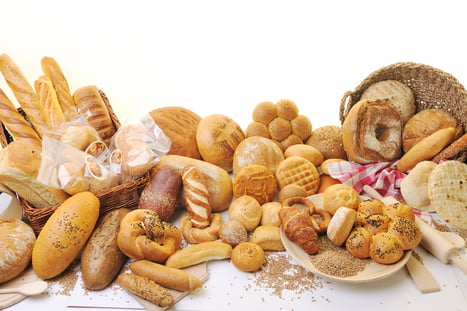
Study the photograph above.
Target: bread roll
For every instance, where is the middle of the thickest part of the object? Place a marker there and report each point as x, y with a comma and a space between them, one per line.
270, 214
197, 253
257, 150
179, 124
16, 243
426, 148
162, 192
324, 166
328, 140
385, 248
290, 191
101, 259
79, 136
300, 171
414, 187
91, 104
340, 225
358, 242
23, 92
218, 180
146, 288
19, 165
15, 123
256, 181
257, 129
339, 195
326, 181
195, 235
406, 231
371, 206
264, 112
286, 109
217, 137
279, 128
247, 210
196, 197
425, 123
168, 277
399, 209
308, 152
233, 232
377, 223
52, 70
398, 94
457, 150
65, 234
268, 237
248, 257
301, 127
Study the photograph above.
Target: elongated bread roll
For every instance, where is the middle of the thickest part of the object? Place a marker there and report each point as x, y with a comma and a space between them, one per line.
197, 253
15, 123
166, 276
51, 69
51, 112
23, 91
147, 289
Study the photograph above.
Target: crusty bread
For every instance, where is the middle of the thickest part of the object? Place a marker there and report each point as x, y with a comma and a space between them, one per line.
19, 165
51, 111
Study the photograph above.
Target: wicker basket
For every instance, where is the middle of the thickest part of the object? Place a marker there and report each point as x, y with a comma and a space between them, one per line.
432, 89
124, 195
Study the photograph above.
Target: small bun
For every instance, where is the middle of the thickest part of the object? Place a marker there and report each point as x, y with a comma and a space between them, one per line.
233, 232
279, 129
377, 223
305, 151
246, 210
302, 127
264, 112
340, 225
248, 257
385, 248
290, 191
270, 214
400, 210
257, 129
406, 231
358, 242
256, 181
371, 206
268, 238
286, 109
339, 195
257, 150
328, 140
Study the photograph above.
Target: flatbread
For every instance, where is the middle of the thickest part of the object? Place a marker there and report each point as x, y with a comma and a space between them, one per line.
447, 190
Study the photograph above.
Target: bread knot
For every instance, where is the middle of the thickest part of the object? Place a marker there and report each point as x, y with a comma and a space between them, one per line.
195, 235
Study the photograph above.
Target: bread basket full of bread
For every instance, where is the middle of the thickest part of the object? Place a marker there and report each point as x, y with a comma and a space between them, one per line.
61, 142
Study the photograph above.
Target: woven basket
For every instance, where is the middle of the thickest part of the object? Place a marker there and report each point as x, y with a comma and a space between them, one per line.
124, 195
432, 89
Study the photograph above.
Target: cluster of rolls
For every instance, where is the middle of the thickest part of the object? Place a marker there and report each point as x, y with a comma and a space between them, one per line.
385, 126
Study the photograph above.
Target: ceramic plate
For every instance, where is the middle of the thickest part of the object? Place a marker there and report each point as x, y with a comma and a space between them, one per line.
373, 271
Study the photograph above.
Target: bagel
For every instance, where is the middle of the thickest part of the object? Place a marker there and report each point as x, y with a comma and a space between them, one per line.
143, 235
372, 132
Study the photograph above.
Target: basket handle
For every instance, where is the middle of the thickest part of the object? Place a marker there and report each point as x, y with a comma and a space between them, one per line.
344, 107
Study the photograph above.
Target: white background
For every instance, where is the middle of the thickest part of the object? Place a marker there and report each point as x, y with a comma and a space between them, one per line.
225, 57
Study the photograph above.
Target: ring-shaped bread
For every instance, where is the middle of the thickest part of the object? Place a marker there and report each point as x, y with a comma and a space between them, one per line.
195, 235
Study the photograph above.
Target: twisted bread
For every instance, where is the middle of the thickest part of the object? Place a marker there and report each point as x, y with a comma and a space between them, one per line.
17, 126
196, 235
196, 197
299, 228
143, 235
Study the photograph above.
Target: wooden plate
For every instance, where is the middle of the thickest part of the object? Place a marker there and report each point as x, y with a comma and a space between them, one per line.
372, 272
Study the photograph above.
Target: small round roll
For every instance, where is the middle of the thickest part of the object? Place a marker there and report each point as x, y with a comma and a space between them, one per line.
340, 225
358, 242
406, 231
248, 257
385, 248
339, 195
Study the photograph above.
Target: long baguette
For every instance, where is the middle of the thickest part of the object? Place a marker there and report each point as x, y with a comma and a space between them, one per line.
17, 126
166, 276
52, 70
51, 111
147, 289
198, 253
23, 92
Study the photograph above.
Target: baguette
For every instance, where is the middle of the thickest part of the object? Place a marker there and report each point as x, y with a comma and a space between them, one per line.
217, 180
197, 253
426, 148
51, 112
101, 259
166, 276
23, 92
15, 123
52, 70
65, 234
147, 289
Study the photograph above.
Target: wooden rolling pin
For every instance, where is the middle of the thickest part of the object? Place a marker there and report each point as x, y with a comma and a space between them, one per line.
432, 240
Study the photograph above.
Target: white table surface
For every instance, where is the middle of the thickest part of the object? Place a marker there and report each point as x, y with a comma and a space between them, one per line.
220, 57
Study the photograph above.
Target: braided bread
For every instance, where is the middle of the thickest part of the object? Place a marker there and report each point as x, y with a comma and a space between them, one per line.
196, 197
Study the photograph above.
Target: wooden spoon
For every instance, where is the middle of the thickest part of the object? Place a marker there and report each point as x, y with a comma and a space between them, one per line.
28, 289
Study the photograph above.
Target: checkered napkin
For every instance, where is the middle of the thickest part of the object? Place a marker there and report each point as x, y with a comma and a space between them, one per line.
382, 176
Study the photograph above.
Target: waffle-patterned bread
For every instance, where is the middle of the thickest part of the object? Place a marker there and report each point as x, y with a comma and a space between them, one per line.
298, 170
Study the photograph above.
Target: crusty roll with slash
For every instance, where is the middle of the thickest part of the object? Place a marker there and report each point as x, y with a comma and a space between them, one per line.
23, 92
147, 289
15, 123
91, 104
143, 235
196, 197
52, 70
166, 276
372, 131
101, 259
197, 253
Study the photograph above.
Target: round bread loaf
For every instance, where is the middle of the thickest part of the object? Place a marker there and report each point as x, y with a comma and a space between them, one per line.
256, 181
339, 195
328, 140
179, 124
299, 171
426, 122
385, 248
217, 137
246, 210
233, 232
358, 242
257, 150
16, 243
406, 231
248, 257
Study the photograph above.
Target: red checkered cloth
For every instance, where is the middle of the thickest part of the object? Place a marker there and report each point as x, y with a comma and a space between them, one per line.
382, 176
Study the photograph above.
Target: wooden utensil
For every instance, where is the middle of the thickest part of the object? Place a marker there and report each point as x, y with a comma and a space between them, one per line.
27, 289
434, 241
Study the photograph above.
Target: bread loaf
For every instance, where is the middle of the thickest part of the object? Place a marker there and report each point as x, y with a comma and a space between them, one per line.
15, 123
328, 140
179, 124
256, 181
218, 180
23, 92
16, 243
19, 165
65, 234
196, 197
197, 253
51, 111
101, 259
147, 289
